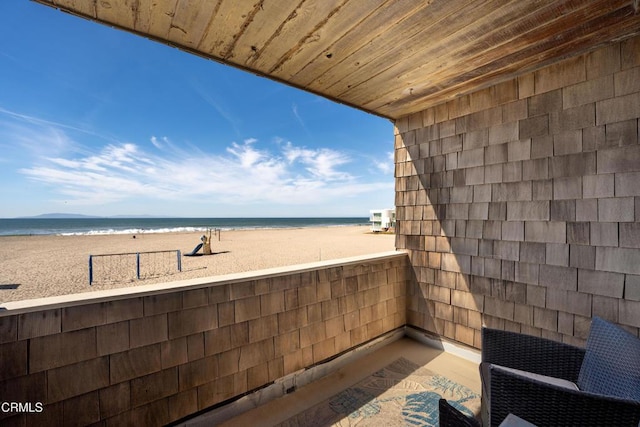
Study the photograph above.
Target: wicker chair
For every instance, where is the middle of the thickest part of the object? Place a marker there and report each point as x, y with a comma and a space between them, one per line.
538, 402
451, 417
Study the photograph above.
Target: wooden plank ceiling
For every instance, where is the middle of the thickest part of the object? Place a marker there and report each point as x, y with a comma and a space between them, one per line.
388, 57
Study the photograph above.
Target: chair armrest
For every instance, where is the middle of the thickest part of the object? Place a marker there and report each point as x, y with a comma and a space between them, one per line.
451, 417
531, 354
547, 405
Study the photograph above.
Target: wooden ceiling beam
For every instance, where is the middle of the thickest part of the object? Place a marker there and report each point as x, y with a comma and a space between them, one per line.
485, 47
387, 57
498, 57
522, 61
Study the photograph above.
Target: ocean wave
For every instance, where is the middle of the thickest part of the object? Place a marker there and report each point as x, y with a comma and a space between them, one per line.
110, 231
132, 226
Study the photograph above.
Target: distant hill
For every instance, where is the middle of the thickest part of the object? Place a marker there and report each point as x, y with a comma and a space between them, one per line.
61, 216
133, 216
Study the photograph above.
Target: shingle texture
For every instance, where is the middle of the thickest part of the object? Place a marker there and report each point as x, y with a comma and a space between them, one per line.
551, 197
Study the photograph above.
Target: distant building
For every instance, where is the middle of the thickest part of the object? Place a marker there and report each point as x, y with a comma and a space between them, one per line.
382, 219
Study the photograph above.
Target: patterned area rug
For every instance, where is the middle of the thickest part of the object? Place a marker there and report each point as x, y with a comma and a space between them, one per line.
401, 394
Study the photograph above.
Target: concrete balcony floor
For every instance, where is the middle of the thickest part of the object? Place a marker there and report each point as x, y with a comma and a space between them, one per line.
461, 368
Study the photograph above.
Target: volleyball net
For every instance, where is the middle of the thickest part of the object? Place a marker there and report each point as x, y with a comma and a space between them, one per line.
132, 266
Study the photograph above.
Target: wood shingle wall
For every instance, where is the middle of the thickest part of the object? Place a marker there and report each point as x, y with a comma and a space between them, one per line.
154, 358
520, 203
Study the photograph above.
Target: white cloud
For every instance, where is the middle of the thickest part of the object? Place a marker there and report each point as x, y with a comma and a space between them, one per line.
218, 105
156, 143
35, 126
320, 163
244, 174
385, 166
298, 117
246, 154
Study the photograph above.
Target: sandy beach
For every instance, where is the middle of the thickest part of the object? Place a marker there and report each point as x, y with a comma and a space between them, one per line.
41, 266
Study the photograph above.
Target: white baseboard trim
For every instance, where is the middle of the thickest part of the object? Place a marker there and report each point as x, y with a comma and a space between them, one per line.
441, 343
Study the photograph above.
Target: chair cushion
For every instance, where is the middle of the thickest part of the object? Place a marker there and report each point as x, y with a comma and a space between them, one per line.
611, 364
485, 376
558, 382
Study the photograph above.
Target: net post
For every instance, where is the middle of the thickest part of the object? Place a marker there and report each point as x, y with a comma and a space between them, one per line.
179, 260
138, 265
90, 269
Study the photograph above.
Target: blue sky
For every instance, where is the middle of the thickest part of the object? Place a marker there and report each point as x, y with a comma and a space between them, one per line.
101, 122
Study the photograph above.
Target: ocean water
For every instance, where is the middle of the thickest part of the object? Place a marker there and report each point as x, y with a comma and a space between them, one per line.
90, 226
